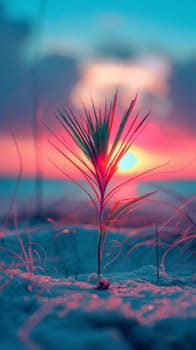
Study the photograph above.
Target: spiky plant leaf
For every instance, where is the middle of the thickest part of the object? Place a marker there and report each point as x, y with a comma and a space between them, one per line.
96, 153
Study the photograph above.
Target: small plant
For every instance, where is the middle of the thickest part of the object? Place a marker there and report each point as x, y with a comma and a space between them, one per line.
97, 148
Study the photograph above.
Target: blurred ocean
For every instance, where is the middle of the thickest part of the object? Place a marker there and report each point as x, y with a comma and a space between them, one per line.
63, 198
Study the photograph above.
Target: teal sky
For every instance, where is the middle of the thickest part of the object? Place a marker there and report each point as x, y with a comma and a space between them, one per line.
86, 48
168, 25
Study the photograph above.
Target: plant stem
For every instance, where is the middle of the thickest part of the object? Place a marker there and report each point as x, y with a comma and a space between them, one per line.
157, 253
99, 246
99, 254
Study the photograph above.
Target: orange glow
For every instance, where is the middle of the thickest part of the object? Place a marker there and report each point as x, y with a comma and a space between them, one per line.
163, 145
10, 159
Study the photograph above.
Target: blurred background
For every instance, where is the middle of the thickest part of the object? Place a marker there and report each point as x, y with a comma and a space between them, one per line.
56, 52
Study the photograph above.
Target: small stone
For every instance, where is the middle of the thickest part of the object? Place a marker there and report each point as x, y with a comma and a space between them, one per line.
93, 278
103, 283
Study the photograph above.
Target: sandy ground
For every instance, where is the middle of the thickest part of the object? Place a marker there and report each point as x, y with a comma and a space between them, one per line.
49, 299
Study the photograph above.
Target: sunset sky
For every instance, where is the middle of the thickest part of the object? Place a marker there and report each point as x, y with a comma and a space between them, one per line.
57, 52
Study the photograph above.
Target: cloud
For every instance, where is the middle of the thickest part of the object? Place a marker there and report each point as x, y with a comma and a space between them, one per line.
13, 35
57, 76
46, 84
183, 95
51, 78
115, 48
100, 78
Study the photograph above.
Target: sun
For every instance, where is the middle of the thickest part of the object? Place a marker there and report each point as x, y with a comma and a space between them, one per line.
127, 162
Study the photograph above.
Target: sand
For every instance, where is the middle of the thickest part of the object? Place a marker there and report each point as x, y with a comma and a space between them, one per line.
49, 299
